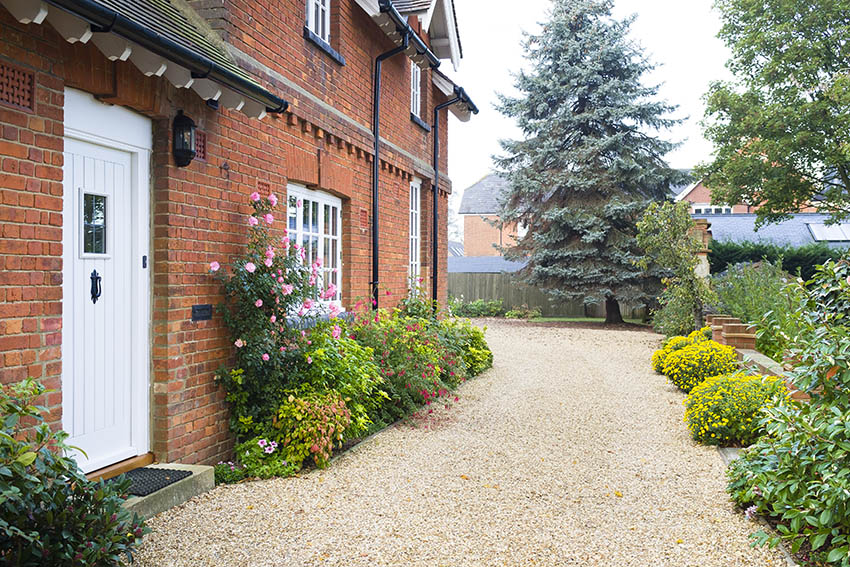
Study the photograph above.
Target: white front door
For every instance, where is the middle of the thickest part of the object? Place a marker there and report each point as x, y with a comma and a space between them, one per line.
105, 287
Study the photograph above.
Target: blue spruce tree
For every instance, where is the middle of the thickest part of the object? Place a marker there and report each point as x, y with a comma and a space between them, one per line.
589, 163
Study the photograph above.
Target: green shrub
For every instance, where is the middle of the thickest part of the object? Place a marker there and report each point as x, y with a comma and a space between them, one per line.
798, 472
50, 513
333, 362
692, 364
256, 458
309, 424
726, 410
524, 312
415, 365
467, 342
754, 293
800, 261
675, 316
477, 308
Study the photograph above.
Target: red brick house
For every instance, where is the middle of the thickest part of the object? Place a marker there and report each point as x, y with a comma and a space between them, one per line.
106, 239
483, 231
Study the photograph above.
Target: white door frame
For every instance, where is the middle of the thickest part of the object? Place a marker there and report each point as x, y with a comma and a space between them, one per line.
88, 120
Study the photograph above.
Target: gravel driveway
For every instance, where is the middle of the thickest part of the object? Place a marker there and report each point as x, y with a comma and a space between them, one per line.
570, 451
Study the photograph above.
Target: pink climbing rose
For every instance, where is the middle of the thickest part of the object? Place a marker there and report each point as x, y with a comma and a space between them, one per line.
239, 343
250, 267
336, 332
253, 221
268, 218
214, 266
334, 310
255, 196
273, 199
287, 288
268, 262
308, 304
259, 303
266, 356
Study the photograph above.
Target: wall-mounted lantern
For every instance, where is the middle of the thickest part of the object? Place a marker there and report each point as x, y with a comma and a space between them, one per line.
184, 139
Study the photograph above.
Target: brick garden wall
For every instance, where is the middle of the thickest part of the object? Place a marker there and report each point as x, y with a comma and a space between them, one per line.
198, 211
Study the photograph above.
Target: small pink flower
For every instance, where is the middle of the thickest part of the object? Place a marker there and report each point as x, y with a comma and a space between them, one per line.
239, 343
269, 449
214, 266
259, 303
273, 318
283, 349
336, 332
273, 199
318, 262
287, 289
269, 252
253, 221
309, 360
255, 196
268, 262
250, 267
334, 310
389, 292
280, 279
268, 218
266, 356
299, 203
262, 442
308, 304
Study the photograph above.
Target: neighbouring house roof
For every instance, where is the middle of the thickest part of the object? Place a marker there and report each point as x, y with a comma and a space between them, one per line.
676, 190
484, 197
162, 38
413, 6
455, 248
483, 265
801, 229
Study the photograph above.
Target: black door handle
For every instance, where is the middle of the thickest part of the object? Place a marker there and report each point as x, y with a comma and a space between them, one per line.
95, 286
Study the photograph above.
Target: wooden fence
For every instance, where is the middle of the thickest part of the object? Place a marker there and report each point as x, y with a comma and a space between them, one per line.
502, 286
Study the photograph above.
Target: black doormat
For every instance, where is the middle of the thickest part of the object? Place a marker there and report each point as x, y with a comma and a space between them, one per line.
147, 480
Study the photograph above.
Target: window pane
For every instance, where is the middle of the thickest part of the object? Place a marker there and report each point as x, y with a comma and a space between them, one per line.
94, 224
334, 254
314, 249
334, 214
314, 227
326, 219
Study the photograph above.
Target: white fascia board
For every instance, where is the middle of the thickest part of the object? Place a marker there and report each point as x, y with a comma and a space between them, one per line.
687, 191
426, 19
451, 29
443, 83
371, 7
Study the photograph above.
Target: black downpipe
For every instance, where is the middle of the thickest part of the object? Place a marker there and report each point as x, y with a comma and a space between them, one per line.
460, 97
435, 131
107, 19
376, 162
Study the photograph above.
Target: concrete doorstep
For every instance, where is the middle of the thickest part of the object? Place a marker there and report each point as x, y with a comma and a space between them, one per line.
201, 480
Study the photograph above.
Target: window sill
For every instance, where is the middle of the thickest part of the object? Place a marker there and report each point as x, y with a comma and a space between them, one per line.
323, 45
419, 122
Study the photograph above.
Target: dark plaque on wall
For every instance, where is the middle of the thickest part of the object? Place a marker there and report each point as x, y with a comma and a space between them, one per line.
202, 312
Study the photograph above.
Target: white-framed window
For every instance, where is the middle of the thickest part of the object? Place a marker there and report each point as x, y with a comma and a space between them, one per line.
319, 18
415, 89
314, 221
415, 232
706, 209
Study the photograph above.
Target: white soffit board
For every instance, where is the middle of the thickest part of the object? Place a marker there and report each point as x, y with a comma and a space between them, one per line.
84, 113
116, 48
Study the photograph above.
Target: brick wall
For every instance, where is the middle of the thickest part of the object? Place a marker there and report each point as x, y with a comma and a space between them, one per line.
198, 211
480, 238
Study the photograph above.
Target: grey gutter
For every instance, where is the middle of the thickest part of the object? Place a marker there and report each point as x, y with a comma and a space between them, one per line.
104, 20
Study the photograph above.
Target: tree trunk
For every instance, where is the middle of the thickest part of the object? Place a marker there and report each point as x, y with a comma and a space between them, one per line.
612, 310
698, 320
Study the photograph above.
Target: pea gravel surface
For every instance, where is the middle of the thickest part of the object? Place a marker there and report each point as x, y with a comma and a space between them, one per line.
569, 451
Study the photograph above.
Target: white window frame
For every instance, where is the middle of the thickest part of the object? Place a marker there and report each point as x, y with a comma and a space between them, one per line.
414, 269
318, 238
319, 19
415, 90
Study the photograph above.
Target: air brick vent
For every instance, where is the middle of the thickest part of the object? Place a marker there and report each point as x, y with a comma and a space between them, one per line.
17, 87
200, 145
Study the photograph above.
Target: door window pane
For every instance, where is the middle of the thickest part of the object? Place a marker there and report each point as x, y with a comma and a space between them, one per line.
94, 224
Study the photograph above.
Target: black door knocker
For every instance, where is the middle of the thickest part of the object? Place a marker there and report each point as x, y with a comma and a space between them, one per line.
95, 286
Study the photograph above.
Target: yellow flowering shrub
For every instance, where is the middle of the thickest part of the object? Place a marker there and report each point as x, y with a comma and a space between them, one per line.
725, 410
675, 343
692, 364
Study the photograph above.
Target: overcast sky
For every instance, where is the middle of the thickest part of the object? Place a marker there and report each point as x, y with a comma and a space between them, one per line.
679, 36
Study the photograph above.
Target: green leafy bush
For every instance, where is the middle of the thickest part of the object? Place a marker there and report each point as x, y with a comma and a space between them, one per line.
309, 423
726, 410
523, 312
466, 342
755, 293
50, 513
476, 308
692, 364
798, 472
675, 316
255, 458
800, 261
415, 365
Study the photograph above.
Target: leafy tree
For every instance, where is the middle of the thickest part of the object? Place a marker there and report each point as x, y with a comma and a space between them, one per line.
782, 130
587, 166
665, 233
